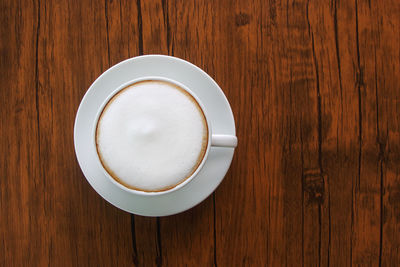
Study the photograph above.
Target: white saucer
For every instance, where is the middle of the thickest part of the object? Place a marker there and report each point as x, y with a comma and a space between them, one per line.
219, 114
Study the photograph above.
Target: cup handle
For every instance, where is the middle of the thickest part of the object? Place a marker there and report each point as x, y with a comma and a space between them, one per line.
223, 140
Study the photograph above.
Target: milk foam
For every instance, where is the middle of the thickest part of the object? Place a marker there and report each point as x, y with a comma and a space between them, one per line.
151, 136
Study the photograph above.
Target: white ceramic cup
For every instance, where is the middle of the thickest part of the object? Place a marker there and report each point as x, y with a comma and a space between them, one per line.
215, 140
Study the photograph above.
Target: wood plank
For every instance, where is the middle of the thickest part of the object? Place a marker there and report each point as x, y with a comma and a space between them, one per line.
333, 27
81, 228
303, 149
366, 238
242, 200
384, 33
21, 208
122, 30
154, 27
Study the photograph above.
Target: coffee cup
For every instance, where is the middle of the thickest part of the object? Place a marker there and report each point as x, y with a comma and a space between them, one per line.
152, 136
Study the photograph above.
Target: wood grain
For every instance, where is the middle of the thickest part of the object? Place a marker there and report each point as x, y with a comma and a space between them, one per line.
314, 89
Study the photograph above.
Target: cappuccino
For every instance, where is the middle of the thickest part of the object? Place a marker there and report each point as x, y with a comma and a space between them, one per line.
151, 136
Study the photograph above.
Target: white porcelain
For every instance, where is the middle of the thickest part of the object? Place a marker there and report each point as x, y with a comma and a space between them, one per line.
218, 114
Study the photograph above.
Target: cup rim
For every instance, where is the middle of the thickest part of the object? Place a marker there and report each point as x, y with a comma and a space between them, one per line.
181, 184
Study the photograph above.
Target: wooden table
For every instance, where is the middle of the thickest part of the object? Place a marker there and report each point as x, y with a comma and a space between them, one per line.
314, 87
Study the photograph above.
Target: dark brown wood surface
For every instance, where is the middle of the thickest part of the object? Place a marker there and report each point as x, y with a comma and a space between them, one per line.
314, 88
